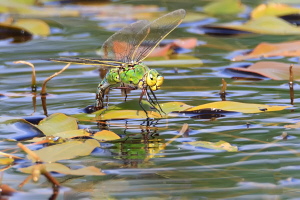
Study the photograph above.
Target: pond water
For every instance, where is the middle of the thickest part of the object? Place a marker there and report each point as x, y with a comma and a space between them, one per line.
265, 166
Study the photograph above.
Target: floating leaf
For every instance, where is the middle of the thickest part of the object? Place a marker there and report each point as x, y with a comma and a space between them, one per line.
221, 145
238, 107
60, 168
67, 150
24, 9
6, 161
272, 70
273, 9
169, 48
263, 25
176, 60
127, 114
34, 26
18, 34
224, 7
106, 136
266, 49
57, 123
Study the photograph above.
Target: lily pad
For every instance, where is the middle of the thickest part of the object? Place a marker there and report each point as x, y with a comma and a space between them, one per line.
272, 70
273, 9
263, 25
238, 107
57, 123
221, 145
67, 150
224, 7
106, 136
34, 26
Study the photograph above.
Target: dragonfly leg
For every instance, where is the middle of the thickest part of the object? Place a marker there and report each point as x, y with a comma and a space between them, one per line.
150, 100
102, 90
156, 100
140, 101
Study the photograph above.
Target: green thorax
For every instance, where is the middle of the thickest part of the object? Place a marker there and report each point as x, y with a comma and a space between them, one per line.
129, 74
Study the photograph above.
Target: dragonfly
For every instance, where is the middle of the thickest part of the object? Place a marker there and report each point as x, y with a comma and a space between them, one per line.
123, 53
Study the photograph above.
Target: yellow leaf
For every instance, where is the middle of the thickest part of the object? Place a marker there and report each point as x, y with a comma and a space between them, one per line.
224, 7
6, 161
221, 145
57, 123
35, 26
262, 25
127, 114
273, 9
106, 135
238, 107
67, 150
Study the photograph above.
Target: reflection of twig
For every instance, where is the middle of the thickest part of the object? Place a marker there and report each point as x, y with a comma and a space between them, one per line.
181, 132
33, 76
291, 85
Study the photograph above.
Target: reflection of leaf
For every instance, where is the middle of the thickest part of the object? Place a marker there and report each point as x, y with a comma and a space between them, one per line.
66, 150
57, 123
224, 7
238, 107
221, 145
106, 136
273, 9
272, 70
59, 168
262, 25
266, 49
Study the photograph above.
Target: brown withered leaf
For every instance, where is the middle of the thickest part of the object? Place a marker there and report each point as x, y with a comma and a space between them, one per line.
266, 49
272, 70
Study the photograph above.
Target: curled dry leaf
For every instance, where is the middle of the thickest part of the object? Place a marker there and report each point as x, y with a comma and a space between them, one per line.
272, 70
266, 49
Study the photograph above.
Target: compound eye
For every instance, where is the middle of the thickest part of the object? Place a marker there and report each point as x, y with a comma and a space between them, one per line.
151, 77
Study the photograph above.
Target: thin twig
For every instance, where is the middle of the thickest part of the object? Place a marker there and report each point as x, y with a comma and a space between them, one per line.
33, 75
223, 90
29, 152
44, 90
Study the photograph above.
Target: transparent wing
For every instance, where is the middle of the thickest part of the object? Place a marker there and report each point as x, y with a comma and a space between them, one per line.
88, 61
121, 45
156, 32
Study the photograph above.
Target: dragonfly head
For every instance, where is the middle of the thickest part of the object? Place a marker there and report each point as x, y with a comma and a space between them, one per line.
154, 80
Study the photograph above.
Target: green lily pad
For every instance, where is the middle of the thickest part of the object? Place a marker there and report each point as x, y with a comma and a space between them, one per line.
224, 7
263, 25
